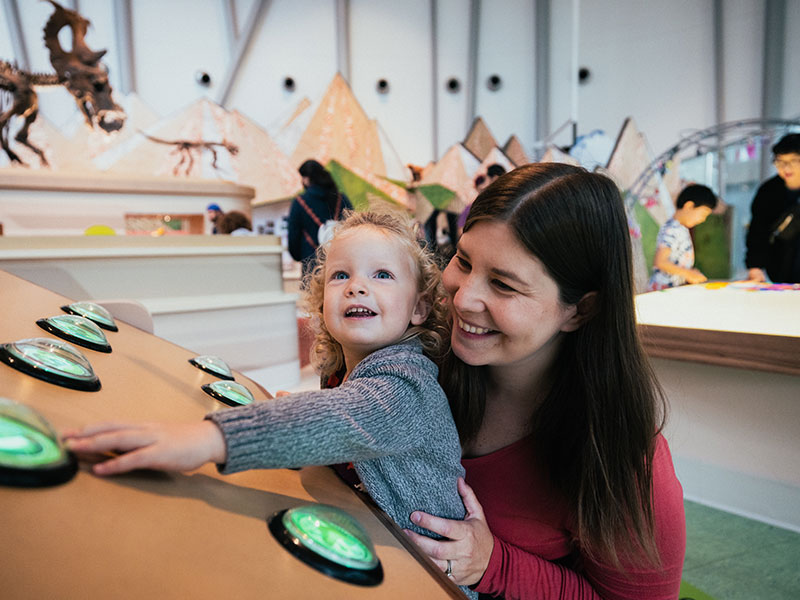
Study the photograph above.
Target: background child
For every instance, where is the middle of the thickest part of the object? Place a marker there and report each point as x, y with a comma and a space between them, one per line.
674, 260
376, 300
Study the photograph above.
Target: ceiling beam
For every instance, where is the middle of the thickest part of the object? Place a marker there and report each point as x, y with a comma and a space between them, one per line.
243, 42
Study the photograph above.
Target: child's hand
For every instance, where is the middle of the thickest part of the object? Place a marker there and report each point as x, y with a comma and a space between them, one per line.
162, 446
695, 276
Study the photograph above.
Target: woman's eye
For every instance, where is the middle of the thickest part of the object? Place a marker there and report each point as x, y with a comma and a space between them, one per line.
339, 275
383, 275
462, 263
502, 286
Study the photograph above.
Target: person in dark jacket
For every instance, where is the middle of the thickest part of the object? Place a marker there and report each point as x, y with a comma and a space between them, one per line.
319, 203
773, 239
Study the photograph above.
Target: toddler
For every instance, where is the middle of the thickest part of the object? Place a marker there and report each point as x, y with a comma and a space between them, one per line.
377, 304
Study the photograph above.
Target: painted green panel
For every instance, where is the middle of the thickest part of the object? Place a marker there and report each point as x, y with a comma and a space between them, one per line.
357, 189
712, 250
649, 229
438, 195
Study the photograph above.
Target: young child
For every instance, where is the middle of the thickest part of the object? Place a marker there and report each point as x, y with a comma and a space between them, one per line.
673, 264
377, 302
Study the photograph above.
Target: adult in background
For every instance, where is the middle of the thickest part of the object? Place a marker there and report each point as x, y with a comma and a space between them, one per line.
773, 239
319, 203
214, 214
570, 489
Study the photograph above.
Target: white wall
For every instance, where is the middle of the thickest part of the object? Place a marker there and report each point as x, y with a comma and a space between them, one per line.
507, 48
651, 60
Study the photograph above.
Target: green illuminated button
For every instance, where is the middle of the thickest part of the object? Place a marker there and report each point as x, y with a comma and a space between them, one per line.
229, 392
30, 451
330, 540
212, 364
78, 330
93, 312
331, 533
51, 360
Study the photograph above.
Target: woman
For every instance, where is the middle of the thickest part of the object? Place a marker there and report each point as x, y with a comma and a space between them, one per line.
319, 203
558, 411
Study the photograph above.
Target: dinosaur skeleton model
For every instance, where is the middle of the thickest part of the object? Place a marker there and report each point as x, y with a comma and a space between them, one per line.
187, 148
79, 71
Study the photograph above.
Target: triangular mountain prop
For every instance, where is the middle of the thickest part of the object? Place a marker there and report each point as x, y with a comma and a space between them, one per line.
288, 129
367, 191
514, 150
629, 159
340, 130
258, 162
396, 169
479, 140
455, 171
556, 155
495, 157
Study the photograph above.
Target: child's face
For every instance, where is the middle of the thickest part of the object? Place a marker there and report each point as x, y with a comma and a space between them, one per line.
371, 294
696, 214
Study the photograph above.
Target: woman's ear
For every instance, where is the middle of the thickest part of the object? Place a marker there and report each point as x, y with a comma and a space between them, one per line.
584, 311
421, 310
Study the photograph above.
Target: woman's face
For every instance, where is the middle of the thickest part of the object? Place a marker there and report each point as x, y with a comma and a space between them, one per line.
506, 308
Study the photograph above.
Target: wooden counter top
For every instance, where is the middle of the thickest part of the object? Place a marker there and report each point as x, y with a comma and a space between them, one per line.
196, 535
730, 325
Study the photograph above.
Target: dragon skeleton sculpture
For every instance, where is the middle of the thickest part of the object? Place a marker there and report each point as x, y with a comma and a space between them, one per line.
79, 71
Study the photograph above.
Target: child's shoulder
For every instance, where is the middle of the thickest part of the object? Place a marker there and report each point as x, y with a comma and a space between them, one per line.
403, 355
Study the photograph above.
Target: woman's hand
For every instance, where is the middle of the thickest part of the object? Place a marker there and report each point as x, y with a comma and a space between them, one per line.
162, 446
469, 543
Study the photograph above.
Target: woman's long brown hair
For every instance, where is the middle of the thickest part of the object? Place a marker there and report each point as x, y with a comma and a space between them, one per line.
595, 429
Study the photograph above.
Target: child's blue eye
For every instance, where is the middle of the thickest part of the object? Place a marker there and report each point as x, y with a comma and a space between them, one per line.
339, 275
383, 275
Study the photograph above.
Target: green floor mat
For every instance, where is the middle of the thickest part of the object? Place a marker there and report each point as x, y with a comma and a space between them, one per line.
689, 592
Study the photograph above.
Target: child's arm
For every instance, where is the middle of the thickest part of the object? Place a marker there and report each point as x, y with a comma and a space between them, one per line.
663, 263
163, 446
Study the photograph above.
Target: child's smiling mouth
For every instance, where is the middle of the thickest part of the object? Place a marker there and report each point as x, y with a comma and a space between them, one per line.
359, 312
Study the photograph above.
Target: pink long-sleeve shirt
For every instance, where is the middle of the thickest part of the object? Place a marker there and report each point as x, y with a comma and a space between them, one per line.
533, 528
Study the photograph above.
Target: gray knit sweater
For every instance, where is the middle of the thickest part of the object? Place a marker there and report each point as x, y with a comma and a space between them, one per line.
390, 418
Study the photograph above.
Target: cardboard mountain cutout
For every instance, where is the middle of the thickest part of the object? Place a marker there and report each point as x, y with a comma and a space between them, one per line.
479, 140
455, 172
556, 155
396, 169
495, 157
287, 130
258, 161
514, 150
340, 130
629, 159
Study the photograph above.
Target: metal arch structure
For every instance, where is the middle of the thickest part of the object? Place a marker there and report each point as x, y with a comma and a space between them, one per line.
723, 134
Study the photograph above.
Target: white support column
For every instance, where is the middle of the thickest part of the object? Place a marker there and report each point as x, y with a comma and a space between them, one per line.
15, 32
472, 61
343, 62
123, 28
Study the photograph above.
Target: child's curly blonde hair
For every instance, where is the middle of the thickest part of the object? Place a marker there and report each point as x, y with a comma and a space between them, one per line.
326, 353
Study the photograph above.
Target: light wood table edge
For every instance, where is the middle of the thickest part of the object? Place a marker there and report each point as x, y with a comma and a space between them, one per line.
760, 352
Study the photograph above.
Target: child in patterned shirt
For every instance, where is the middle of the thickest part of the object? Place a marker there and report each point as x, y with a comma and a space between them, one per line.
674, 260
